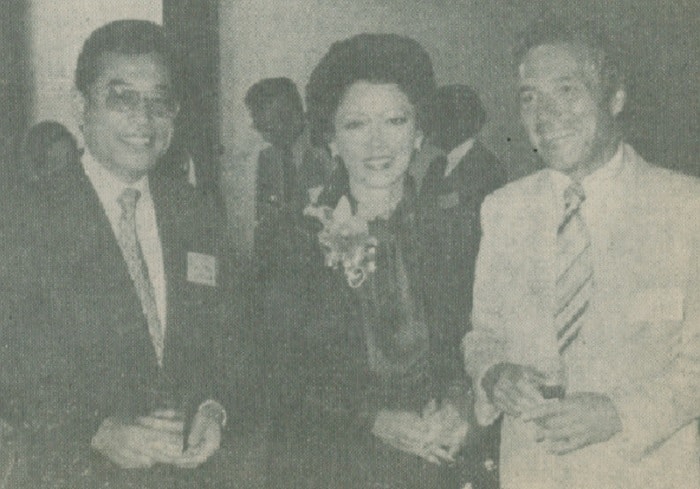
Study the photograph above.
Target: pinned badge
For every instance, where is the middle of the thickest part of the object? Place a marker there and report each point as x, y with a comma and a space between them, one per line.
201, 269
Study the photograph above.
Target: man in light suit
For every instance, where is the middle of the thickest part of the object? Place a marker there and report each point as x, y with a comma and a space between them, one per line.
587, 294
112, 287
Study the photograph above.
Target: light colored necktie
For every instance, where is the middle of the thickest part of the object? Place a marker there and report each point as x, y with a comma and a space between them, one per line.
575, 269
129, 244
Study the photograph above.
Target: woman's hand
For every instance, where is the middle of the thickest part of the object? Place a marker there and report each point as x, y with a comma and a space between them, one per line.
436, 436
405, 431
447, 430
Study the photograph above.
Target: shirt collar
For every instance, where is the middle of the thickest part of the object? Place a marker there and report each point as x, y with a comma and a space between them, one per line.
107, 185
456, 155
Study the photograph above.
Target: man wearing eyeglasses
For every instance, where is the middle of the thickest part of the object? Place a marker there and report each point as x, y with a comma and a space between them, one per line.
113, 340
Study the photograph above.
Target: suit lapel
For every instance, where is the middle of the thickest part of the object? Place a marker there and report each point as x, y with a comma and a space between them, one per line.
172, 217
540, 244
78, 219
91, 292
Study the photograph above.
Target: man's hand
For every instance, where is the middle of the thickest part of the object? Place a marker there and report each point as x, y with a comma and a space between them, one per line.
513, 388
140, 443
204, 439
576, 421
158, 438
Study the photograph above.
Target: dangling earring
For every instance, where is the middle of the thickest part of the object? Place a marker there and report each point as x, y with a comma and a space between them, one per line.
418, 142
336, 161
333, 150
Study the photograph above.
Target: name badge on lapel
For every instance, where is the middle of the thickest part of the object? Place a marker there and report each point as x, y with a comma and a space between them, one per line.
447, 201
201, 269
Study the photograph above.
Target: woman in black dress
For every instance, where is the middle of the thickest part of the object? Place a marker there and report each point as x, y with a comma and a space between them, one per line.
369, 388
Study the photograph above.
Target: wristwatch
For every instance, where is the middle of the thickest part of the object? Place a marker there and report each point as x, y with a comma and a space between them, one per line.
214, 410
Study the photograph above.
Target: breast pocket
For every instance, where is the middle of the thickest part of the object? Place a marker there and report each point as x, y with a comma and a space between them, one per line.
657, 305
654, 330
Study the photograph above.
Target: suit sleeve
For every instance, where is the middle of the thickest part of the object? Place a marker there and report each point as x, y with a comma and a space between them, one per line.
21, 306
653, 410
231, 366
485, 345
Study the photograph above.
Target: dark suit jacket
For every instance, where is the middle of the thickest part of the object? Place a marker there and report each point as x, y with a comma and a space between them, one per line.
275, 212
76, 347
451, 207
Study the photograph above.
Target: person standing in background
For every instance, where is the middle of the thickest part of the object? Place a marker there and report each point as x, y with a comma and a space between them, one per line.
286, 170
454, 188
47, 148
470, 168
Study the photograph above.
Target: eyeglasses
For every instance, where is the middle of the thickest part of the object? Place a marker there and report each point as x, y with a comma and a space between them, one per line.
157, 103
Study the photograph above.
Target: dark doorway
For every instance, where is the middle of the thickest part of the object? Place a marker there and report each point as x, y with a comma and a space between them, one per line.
14, 87
194, 26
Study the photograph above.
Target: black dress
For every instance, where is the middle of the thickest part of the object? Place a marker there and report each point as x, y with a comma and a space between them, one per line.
338, 355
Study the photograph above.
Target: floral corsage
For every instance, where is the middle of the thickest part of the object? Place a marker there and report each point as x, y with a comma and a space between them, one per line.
345, 241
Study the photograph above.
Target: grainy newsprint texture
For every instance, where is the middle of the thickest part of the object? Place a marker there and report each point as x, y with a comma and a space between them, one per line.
296, 352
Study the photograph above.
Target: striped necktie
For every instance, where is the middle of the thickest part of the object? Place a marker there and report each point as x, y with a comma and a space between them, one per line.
574, 269
129, 244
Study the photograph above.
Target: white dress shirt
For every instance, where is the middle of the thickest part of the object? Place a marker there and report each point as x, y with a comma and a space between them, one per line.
598, 186
456, 155
108, 188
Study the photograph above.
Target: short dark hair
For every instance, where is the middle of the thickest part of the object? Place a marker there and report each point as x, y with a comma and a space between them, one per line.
460, 108
376, 58
268, 89
35, 145
551, 29
129, 37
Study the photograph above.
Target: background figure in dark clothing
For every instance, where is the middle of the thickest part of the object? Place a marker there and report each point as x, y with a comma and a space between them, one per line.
178, 162
454, 188
472, 170
452, 192
46, 148
286, 170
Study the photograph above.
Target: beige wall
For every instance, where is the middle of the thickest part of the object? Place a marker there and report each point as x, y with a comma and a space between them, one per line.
58, 29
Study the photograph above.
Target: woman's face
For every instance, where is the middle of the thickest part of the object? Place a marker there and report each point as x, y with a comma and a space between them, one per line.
375, 134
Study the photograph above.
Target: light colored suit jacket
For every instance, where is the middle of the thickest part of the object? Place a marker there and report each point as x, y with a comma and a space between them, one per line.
640, 341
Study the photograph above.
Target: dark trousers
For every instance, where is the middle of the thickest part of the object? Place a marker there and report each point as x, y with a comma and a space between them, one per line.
319, 458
